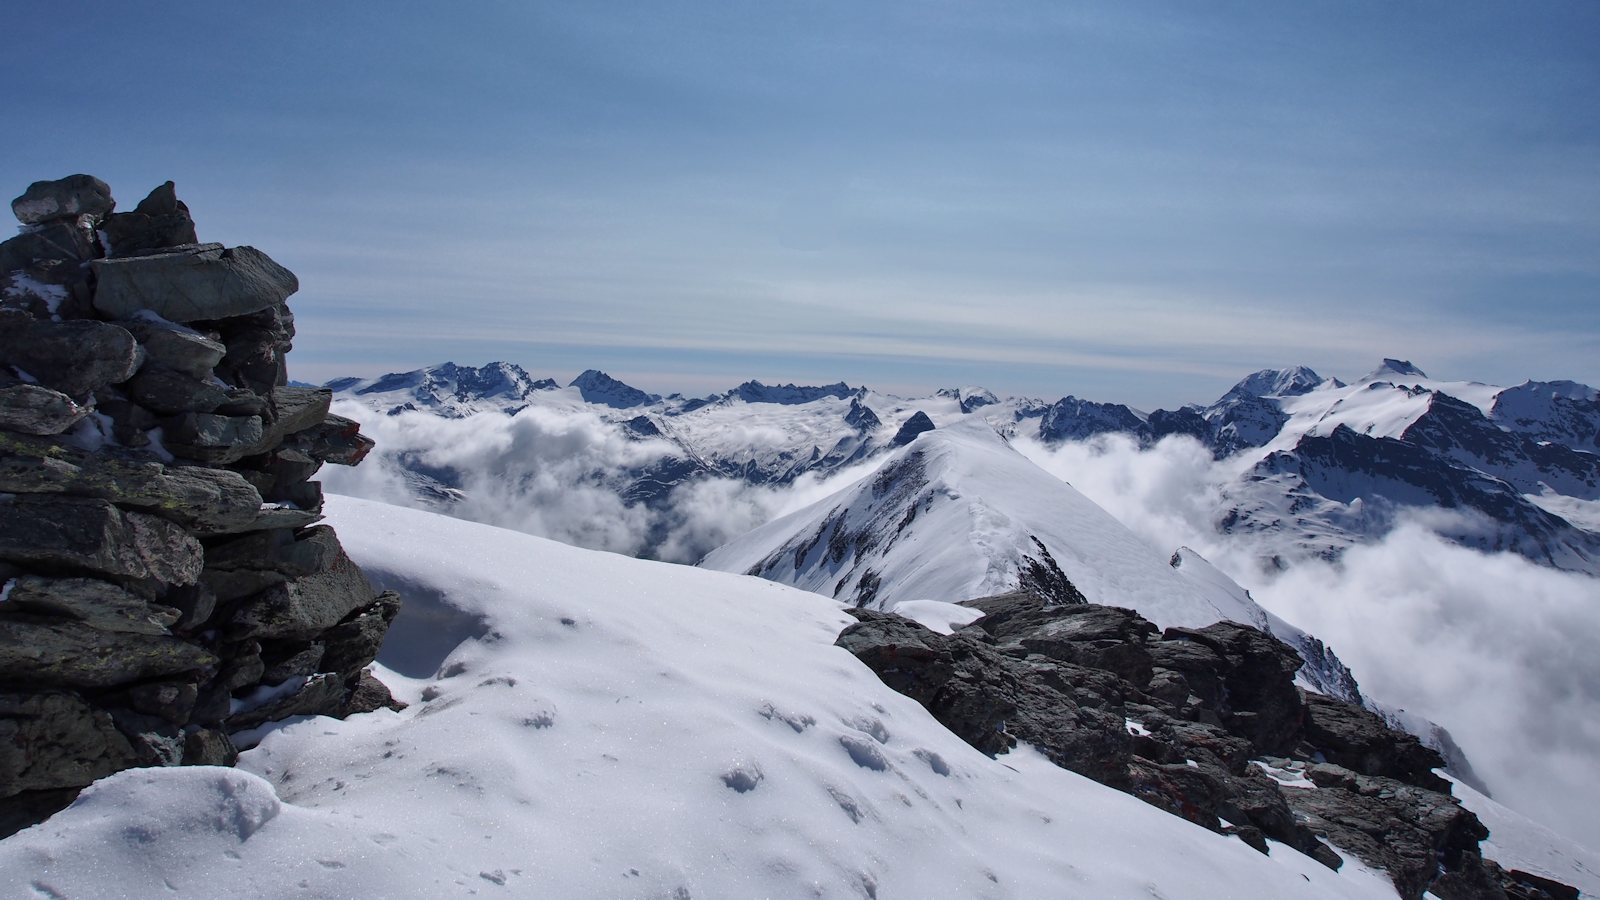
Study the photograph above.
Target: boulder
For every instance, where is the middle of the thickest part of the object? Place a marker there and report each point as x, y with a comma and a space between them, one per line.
96, 603
36, 409
64, 198
1363, 742
52, 252
167, 392
1412, 833
313, 550
319, 695
353, 644
53, 739
62, 652
306, 606
337, 440
65, 533
203, 283
211, 501
212, 438
75, 357
176, 347
257, 346
160, 221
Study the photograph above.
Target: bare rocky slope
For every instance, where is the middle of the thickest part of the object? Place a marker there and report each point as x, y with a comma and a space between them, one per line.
1205, 723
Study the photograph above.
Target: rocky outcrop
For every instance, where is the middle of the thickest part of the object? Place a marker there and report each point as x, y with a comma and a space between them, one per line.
164, 586
1205, 723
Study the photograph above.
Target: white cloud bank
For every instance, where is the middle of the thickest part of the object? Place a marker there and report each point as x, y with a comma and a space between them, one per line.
560, 474
1497, 649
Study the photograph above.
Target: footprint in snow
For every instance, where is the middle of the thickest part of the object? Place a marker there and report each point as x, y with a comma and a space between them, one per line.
743, 777
872, 727
863, 752
934, 761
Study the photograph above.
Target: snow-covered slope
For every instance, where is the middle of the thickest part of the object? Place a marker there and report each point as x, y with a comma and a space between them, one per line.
959, 514
618, 728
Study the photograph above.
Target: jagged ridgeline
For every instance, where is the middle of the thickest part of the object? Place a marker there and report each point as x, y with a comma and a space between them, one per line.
1205, 723
166, 589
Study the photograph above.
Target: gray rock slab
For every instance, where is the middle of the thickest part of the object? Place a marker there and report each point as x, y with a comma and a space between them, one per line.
213, 438
205, 499
64, 198
64, 652
91, 601
193, 285
168, 392
79, 533
53, 739
36, 409
172, 346
306, 606
75, 357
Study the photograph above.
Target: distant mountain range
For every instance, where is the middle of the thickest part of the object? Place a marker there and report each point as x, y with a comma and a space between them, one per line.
1315, 465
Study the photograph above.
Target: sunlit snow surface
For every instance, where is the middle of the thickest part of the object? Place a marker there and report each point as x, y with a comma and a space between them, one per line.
1516, 842
627, 729
974, 509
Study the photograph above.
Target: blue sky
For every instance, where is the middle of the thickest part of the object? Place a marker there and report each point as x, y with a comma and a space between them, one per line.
1127, 201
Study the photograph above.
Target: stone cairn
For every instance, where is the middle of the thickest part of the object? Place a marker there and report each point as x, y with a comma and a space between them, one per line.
164, 587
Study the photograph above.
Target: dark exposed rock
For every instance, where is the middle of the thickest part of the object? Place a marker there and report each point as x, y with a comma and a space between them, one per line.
212, 438
1259, 700
321, 694
337, 440
305, 606
353, 644
55, 651
917, 424
50, 255
1361, 741
257, 345
53, 739
175, 347
1408, 831
97, 603
160, 221
167, 392
65, 533
206, 282
76, 357
36, 409
207, 500
1205, 723
151, 607
64, 198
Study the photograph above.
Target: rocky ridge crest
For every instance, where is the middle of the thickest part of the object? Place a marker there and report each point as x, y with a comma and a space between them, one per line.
1205, 723
165, 588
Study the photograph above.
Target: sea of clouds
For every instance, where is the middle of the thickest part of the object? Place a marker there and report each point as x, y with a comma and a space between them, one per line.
1500, 651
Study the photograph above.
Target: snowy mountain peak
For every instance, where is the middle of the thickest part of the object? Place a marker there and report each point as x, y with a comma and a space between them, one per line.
913, 426
968, 397
792, 394
597, 387
1395, 368
958, 514
448, 389
1288, 382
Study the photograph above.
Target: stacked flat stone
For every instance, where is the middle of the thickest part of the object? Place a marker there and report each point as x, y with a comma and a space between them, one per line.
164, 587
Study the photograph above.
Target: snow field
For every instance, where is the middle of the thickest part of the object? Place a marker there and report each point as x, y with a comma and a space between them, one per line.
628, 729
